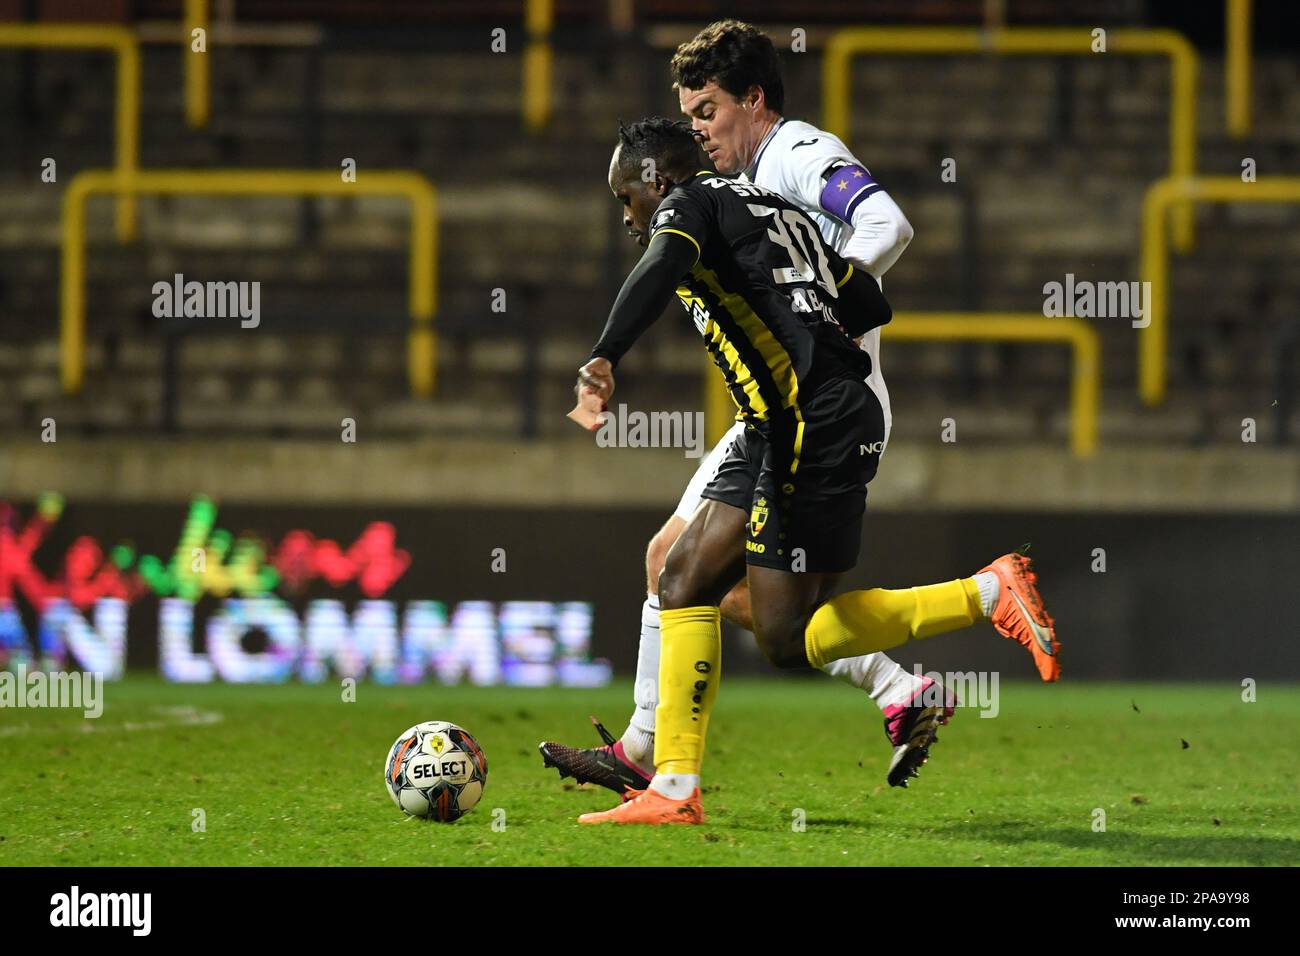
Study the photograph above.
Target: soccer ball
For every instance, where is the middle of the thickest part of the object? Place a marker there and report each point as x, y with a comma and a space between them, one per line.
437, 770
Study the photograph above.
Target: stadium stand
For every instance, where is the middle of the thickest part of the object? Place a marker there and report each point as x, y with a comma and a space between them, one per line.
1055, 157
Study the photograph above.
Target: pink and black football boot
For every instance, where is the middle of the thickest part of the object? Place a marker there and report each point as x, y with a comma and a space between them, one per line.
607, 766
912, 728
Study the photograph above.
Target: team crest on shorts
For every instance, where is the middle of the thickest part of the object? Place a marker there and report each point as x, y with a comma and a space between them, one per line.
758, 517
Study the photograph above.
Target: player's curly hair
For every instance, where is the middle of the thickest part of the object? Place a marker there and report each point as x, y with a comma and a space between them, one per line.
734, 55
670, 143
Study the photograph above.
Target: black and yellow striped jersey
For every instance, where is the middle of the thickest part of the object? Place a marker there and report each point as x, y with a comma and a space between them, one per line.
775, 304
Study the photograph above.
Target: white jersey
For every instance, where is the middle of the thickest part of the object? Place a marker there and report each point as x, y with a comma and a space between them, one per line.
792, 161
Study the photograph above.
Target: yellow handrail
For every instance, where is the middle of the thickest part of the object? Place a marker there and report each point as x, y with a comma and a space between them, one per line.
421, 344
198, 70
1184, 65
539, 20
1237, 66
1160, 196
123, 43
1085, 380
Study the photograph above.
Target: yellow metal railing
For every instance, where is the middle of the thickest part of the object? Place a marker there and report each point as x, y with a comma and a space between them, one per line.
198, 70
421, 343
1161, 196
121, 42
539, 19
1236, 72
1184, 64
1085, 377
1085, 345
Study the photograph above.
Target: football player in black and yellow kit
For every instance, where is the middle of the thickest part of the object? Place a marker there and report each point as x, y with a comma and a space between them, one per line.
778, 310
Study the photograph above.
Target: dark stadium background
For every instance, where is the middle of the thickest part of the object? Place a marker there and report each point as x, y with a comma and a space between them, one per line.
1201, 530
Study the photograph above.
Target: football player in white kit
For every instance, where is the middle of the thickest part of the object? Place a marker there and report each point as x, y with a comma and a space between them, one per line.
728, 80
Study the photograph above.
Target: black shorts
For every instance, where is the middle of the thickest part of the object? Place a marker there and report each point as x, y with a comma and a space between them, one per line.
805, 485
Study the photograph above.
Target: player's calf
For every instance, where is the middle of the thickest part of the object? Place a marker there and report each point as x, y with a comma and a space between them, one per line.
783, 604
782, 642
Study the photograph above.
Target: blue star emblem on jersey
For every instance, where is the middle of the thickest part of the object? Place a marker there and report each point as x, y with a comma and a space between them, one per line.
758, 517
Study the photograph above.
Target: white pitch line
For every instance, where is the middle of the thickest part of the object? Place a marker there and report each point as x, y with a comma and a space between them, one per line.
182, 716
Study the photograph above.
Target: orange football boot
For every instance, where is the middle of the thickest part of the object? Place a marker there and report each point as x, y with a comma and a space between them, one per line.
1021, 616
651, 807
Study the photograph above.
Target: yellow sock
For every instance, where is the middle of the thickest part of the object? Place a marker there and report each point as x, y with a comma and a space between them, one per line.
862, 622
690, 665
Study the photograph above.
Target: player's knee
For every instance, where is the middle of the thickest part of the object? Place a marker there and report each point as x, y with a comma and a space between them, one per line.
675, 590
682, 585
783, 645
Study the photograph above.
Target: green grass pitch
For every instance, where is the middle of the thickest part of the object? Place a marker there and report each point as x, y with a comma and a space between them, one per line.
291, 775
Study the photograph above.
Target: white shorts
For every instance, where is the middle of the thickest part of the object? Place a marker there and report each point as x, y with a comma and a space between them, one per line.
704, 474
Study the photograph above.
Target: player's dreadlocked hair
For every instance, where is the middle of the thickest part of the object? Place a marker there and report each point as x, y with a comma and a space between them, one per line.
670, 143
736, 56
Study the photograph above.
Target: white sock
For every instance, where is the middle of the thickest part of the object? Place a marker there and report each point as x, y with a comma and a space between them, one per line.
882, 678
675, 786
990, 587
639, 738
